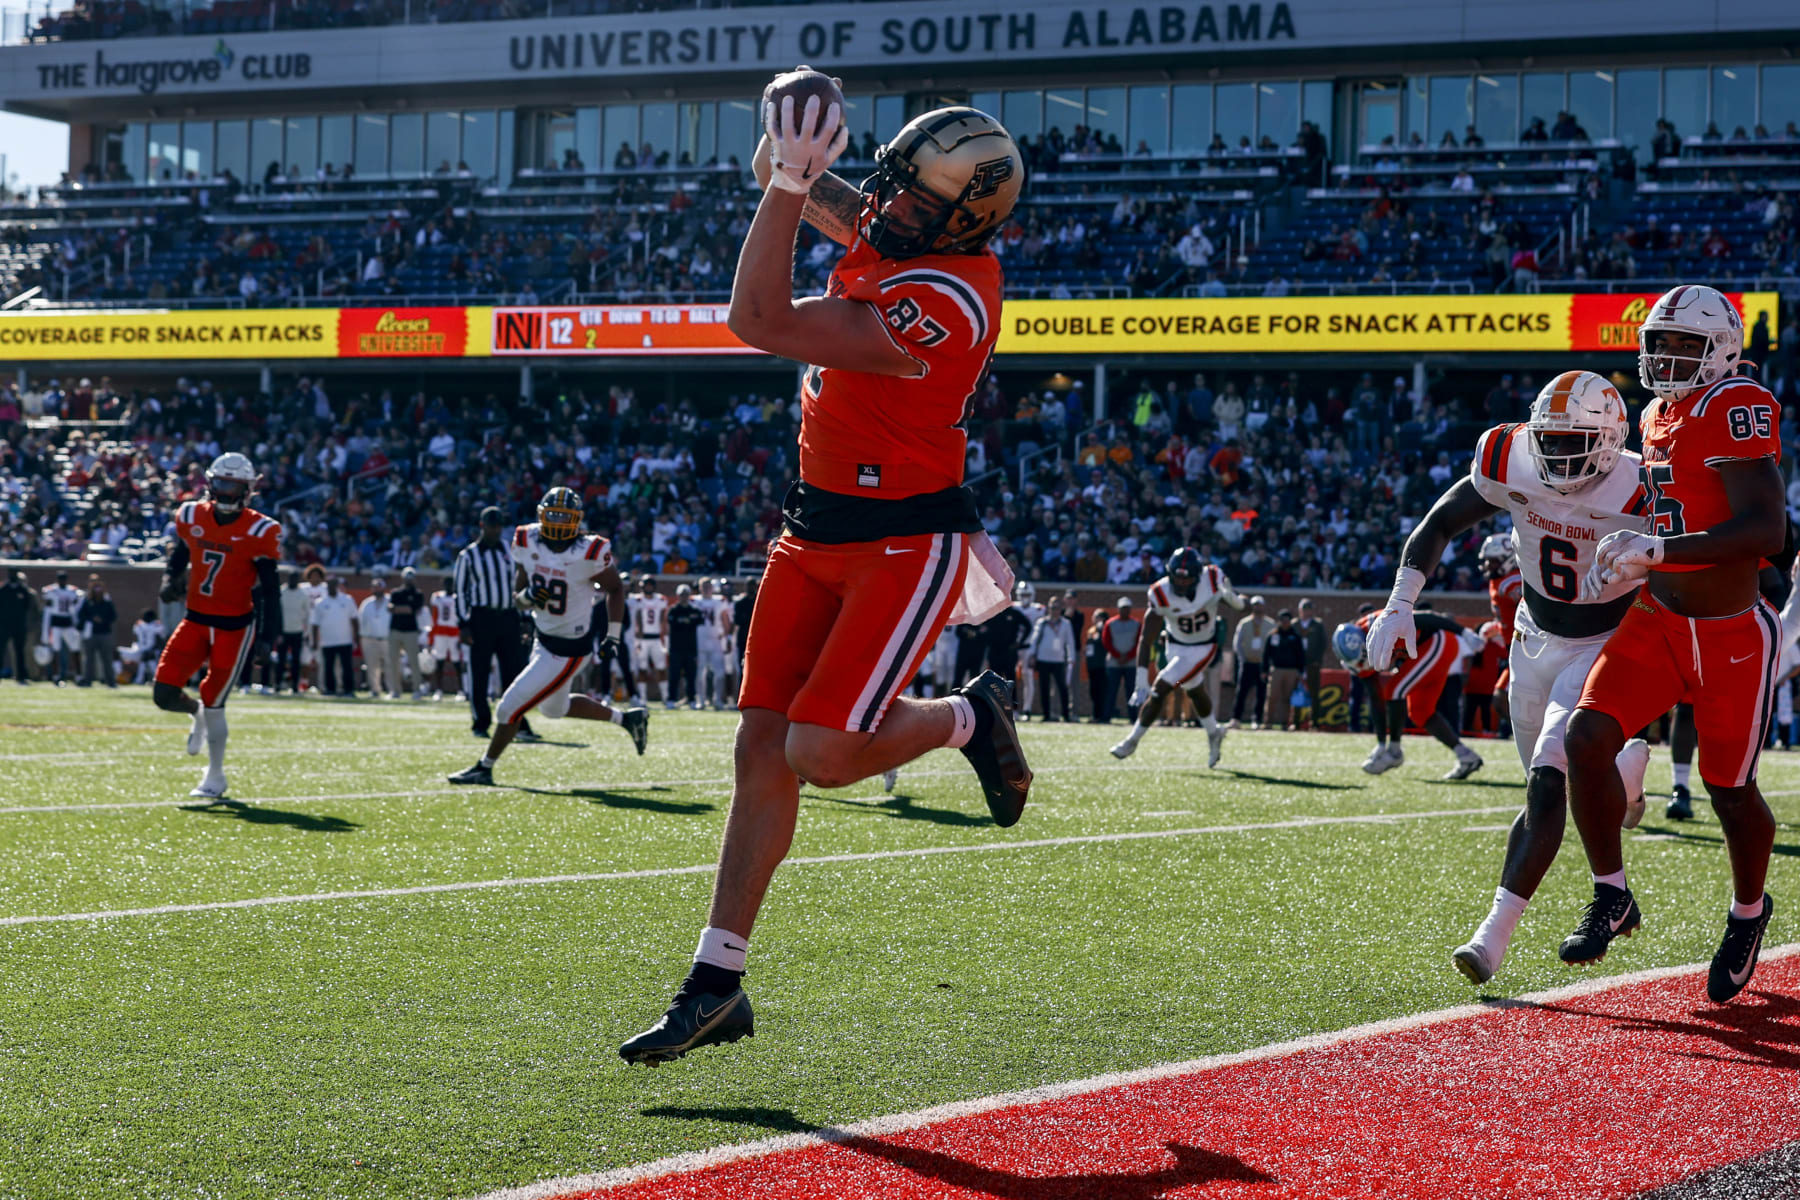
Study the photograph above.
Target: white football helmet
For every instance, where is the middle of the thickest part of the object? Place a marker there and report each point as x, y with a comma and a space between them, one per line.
1497, 549
41, 655
1697, 311
1577, 428
1024, 592
228, 483
428, 663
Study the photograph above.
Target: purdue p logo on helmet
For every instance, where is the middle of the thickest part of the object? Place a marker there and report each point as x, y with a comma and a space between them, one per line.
944, 185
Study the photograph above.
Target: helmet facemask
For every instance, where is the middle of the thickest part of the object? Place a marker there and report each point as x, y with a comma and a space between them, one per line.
902, 218
228, 496
1570, 459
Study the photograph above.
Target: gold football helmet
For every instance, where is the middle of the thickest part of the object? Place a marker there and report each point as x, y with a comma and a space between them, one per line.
944, 185
559, 515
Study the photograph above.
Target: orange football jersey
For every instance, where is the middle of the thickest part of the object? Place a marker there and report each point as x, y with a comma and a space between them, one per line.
1504, 595
887, 437
222, 575
1684, 444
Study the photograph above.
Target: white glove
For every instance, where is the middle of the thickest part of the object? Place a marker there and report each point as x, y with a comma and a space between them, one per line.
1392, 626
798, 155
1621, 555
1141, 692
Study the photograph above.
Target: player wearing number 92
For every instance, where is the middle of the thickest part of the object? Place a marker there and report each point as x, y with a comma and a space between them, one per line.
1698, 630
1567, 482
557, 571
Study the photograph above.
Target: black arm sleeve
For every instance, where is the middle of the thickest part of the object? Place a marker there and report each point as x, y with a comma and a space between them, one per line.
268, 599
178, 561
1431, 622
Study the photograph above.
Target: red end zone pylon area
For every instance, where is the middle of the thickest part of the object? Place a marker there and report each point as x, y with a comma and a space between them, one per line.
1600, 1090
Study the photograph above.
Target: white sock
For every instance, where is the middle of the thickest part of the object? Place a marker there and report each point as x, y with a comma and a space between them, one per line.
487, 762
722, 948
1682, 772
1495, 933
963, 730
617, 716
1210, 722
1463, 752
215, 740
1741, 910
1616, 879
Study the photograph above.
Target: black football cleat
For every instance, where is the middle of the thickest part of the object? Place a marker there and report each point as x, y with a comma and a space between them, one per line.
1733, 965
637, 724
1681, 804
1612, 913
475, 774
996, 755
693, 1020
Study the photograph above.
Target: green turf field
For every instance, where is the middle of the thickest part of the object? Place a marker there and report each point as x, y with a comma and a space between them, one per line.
444, 1043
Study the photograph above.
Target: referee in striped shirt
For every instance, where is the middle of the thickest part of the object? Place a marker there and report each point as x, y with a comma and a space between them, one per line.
490, 624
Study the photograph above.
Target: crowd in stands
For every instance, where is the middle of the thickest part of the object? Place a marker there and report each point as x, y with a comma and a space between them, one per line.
1284, 481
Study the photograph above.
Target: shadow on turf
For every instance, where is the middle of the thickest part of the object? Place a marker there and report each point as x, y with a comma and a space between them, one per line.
1192, 1165
1311, 784
904, 808
256, 814
1682, 833
629, 799
1765, 1032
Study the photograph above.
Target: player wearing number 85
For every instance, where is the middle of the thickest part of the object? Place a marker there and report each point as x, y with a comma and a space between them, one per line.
1566, 481
557, 572
1698, 630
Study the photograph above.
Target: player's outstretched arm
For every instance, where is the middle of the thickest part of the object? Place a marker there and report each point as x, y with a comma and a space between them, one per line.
1457, 509
831, 207
846, 335
1757, 527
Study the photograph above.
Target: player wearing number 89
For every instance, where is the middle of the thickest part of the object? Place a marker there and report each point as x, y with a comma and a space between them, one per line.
1698, 630
1183, 604
558, 571
224, 561
1566, 481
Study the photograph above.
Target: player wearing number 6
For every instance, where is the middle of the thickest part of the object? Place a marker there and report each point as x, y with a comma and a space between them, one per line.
1566, 480
1698, 630
557, 572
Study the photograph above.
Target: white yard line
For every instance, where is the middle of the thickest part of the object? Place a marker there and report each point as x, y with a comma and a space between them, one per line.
700, 1160
608, 784
708, 868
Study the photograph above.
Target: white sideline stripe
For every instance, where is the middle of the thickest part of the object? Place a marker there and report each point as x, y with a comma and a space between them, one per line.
101, 758
611, 785
699, 1160
708, 868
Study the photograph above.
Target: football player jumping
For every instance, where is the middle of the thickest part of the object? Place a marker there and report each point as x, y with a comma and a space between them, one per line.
1184, 603
1567, 481
557, 570
224, 561
882, 544
1697, 628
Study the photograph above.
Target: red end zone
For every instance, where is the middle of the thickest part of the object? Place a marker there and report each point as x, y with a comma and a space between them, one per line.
1581, 1096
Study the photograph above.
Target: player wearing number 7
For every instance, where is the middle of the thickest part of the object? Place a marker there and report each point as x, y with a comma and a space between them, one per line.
1698, 630
558, 571
1566, 480
223, 562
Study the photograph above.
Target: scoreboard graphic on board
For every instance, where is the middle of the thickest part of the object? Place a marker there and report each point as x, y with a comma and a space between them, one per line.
615, 329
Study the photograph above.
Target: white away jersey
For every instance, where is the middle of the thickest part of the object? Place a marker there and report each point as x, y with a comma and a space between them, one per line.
1194, 620
567, 574
443, 613
717, 610
61, 604
647, 617
1554, 535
